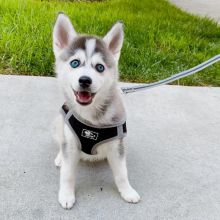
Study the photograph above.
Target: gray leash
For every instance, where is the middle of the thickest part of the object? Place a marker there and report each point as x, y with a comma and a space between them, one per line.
170, 79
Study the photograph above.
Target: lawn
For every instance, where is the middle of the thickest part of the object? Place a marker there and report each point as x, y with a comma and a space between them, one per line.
160, 39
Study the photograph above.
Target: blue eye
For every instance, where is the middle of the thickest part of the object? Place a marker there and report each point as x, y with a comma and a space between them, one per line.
100, 68
74, 63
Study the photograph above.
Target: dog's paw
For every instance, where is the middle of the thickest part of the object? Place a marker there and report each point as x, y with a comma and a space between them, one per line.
130, 195
66, 200
58, 160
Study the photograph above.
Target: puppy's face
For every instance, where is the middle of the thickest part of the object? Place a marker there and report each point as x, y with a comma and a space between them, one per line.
86, 65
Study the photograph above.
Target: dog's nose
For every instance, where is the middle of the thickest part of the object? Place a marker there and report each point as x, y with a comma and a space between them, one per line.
85, 81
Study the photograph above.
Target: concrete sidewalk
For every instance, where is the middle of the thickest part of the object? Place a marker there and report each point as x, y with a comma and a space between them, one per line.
208, 8
173, 148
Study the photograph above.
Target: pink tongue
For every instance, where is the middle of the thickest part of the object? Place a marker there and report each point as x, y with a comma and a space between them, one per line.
84, 97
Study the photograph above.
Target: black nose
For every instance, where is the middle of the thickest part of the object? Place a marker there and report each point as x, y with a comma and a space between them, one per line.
85, 81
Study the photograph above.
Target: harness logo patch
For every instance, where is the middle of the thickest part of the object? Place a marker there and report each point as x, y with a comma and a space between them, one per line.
89, 134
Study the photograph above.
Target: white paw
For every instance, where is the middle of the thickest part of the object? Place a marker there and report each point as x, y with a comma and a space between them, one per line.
130, 195
58, 160
66, 200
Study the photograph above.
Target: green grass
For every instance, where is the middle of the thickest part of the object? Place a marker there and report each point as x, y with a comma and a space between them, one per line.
160, 39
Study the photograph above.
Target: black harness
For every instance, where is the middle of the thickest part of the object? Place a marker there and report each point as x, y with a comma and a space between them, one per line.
89, 137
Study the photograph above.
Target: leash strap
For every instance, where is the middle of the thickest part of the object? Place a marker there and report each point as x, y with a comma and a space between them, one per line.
175, 77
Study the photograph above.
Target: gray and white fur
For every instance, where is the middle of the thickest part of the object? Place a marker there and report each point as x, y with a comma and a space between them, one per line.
98, 102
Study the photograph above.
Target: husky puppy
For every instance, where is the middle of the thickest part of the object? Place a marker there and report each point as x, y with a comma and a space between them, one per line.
87, 70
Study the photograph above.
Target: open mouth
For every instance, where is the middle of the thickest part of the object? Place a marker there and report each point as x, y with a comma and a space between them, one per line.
84, 97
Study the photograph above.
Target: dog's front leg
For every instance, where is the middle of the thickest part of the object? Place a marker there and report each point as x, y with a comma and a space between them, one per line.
68, 170
117, 161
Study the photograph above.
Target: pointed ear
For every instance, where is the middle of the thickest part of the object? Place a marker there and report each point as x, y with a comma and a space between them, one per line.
114, 39
63, 33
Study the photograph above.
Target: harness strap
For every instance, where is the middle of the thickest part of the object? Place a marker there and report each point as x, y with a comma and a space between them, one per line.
89, 137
